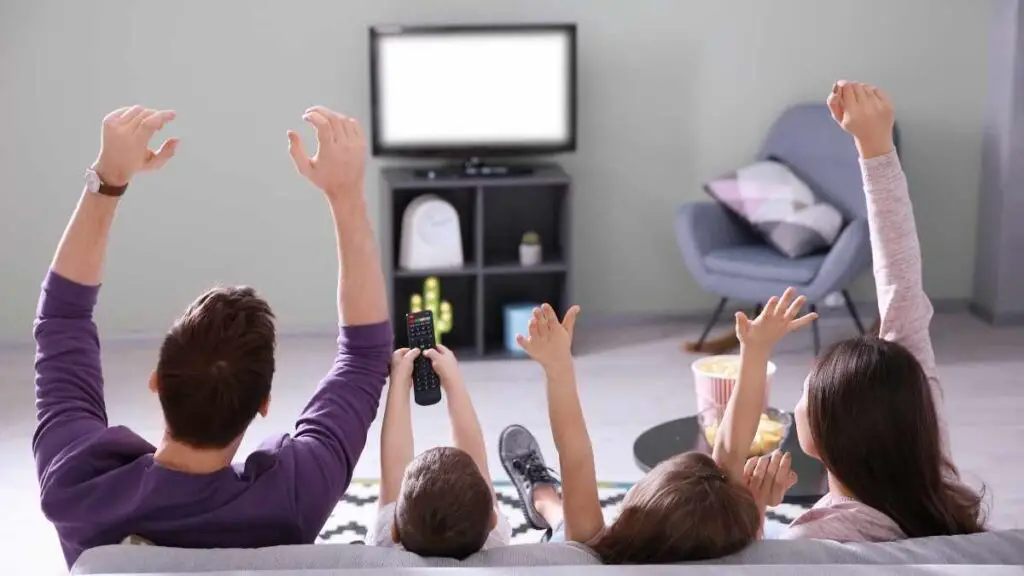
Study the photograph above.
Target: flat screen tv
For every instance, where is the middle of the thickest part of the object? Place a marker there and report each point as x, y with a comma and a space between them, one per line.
473, 91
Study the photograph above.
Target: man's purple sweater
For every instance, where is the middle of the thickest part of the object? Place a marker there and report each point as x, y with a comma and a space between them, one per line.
99, 484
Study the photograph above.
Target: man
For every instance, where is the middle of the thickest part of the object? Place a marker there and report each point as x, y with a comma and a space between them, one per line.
101, 484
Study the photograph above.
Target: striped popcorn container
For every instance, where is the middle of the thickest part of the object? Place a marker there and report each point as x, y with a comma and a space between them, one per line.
714, 378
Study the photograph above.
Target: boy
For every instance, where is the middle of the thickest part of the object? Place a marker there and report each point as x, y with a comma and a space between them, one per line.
442, 502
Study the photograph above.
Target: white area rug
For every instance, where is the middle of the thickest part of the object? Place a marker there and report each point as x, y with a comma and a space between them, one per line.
355, 514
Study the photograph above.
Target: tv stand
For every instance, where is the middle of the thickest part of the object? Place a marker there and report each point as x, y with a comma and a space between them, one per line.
474, 168
494, 215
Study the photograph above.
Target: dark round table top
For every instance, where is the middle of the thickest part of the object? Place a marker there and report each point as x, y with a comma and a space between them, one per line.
677, 436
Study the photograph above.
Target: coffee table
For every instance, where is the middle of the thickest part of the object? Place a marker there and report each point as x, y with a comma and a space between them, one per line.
677, 436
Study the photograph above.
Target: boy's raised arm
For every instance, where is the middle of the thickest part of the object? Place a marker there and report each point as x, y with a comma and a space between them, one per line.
466, 433
397, 447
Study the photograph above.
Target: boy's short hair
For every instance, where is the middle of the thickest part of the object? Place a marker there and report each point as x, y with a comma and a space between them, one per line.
446, 507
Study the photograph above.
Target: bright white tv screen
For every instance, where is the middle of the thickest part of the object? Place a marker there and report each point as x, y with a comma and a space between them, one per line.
504, 88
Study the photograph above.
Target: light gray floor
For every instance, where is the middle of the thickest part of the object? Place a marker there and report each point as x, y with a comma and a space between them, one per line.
630, 378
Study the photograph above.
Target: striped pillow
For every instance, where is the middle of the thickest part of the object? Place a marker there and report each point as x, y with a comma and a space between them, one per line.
780, 206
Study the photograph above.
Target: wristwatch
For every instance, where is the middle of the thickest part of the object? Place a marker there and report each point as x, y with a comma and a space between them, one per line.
95, 185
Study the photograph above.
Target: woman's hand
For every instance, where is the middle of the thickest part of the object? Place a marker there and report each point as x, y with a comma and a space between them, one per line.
776, 320
866, 113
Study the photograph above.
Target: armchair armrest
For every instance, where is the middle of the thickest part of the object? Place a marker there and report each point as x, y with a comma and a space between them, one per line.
705, 226
848, 258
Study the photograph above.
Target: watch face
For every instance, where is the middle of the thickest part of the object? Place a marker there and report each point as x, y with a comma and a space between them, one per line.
92, 181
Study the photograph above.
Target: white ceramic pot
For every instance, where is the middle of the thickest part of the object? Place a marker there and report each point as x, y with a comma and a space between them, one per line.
529, 254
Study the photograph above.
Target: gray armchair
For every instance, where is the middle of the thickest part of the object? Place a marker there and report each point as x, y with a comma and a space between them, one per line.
731, 260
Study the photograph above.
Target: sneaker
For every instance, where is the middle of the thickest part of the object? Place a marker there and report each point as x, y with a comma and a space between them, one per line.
524, 464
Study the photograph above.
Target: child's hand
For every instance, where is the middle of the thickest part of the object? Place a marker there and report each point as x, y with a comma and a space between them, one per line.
444, 362
776, 320
401, 366
769, 478
550, 341
866, 113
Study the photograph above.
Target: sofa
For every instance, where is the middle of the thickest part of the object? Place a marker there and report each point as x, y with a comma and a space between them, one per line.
997, 552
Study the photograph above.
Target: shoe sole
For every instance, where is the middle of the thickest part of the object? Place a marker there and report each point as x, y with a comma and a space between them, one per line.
528, 510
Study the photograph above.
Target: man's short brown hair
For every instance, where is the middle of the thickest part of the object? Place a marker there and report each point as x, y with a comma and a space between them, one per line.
446, 507
215, 367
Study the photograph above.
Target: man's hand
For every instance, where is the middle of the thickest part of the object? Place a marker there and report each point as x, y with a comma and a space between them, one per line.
550, 341
339, 165
445, 364
124, 144
866, 113
401, 367
769, 478
777, 319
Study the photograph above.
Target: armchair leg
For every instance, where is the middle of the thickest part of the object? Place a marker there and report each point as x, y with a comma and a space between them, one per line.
711, 323
853, 311
816, 335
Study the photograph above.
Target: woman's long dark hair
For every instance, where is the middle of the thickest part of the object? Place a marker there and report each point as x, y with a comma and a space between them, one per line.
874, 423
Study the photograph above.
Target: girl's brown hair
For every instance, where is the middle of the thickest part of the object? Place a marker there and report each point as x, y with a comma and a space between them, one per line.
874, 423
684, 509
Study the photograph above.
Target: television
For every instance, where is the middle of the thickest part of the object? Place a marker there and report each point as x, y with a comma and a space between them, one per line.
472, 91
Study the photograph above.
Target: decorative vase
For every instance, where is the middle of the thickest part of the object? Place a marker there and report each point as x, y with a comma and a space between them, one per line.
530, 254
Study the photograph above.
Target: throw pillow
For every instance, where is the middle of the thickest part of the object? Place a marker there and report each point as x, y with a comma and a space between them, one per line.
779, 205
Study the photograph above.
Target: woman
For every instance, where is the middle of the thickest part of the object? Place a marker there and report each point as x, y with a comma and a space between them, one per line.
871, 408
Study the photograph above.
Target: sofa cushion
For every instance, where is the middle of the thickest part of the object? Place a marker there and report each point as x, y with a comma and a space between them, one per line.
122, 559
780, 206
1001, 547
762, 262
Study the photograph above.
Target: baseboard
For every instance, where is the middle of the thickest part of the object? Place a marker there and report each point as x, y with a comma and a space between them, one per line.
867, 310
1000, 319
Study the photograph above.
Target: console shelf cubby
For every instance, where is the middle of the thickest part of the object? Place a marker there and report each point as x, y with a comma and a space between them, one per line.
494, 212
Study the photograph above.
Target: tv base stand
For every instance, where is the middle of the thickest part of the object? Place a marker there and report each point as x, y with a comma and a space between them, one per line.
475, 168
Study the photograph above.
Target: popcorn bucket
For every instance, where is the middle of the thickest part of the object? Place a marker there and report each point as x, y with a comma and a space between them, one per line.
714, 378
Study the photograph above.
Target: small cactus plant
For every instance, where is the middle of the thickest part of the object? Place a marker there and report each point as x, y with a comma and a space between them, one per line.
530, 249
431, 300
531, 238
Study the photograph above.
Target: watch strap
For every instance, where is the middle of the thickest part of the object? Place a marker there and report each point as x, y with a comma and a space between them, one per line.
98, 186
108, 190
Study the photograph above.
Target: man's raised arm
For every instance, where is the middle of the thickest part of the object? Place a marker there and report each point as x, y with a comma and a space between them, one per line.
331, 432
69, 380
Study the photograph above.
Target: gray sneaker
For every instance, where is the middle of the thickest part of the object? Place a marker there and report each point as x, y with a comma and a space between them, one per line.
523, 462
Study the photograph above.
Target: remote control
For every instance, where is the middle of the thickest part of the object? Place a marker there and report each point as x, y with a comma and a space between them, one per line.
426, 385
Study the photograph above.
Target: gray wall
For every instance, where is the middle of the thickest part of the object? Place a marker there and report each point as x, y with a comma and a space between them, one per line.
999, 276
672, 93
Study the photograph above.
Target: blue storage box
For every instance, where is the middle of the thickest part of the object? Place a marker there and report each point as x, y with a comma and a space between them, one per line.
517, 321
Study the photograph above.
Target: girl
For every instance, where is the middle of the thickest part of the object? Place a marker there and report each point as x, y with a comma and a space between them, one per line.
691, 507
871, 407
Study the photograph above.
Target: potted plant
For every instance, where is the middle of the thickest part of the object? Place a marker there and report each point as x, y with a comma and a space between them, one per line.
530, 249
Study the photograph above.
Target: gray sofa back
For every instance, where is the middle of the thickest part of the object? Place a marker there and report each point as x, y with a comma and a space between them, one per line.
1004, 547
